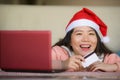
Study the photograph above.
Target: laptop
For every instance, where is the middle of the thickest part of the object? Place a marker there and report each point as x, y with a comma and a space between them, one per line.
25, 50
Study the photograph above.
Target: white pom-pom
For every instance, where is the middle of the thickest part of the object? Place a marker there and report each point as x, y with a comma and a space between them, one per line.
105, 39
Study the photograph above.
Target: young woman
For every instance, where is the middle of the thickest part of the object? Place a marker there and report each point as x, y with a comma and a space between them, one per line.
85, 33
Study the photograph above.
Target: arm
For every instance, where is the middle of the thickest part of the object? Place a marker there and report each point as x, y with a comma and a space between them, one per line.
61, 60
111, 63
113, 59
71, 64
58, 55
101, 66
57, 65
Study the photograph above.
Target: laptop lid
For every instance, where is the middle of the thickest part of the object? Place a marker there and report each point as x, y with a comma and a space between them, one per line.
25, 50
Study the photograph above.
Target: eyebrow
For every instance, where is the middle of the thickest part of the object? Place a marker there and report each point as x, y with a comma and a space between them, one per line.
78, 31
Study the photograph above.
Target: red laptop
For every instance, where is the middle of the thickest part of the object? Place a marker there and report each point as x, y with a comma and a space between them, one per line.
25, 50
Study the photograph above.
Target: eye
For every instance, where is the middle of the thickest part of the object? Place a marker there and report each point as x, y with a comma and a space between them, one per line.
78, 33
91, 33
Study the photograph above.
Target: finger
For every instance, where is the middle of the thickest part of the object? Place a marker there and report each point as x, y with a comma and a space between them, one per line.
92, 67
79, 63
98, 69
75, 63
79, 67
80, 57
95, 66
74, 66
95, 69
95, 63
70, 70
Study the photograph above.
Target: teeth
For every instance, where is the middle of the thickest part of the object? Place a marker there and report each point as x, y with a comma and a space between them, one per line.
85, 46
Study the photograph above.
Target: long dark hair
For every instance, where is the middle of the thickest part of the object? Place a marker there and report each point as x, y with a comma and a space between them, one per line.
101, 48
65, 41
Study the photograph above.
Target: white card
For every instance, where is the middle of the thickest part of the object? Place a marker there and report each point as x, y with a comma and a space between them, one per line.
90, 59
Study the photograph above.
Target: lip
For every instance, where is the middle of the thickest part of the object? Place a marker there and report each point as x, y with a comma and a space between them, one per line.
85, 47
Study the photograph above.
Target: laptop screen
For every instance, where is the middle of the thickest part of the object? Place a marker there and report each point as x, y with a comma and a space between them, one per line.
25, 50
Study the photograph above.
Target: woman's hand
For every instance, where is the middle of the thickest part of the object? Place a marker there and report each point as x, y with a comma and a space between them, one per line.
73, 63
100, 66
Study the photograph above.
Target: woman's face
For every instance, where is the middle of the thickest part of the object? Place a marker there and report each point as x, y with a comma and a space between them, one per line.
83, 40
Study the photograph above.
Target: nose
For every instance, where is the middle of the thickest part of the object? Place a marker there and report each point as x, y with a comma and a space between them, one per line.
85, 38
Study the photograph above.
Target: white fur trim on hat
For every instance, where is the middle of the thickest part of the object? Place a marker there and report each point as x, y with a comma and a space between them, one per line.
105, 39
82, 22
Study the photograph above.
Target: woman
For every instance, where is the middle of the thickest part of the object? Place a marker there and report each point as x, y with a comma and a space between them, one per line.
85, 33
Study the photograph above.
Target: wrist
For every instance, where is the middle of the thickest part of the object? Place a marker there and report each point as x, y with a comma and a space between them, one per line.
117, 67
63, 65
57, 65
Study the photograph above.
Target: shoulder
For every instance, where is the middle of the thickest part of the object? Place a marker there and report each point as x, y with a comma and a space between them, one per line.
112, 58
112, 55
59, 53
58, 49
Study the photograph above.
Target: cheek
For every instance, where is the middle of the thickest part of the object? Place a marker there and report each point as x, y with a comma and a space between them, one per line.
94, 42
74, 41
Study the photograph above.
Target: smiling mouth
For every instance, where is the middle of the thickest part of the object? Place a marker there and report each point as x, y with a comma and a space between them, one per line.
85, 47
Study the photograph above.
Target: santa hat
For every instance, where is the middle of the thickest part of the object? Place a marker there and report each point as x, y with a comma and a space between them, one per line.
86, 17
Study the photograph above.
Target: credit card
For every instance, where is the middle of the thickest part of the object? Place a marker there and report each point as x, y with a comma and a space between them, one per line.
89, 59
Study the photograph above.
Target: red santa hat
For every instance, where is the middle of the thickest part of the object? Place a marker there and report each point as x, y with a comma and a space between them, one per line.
86, 17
